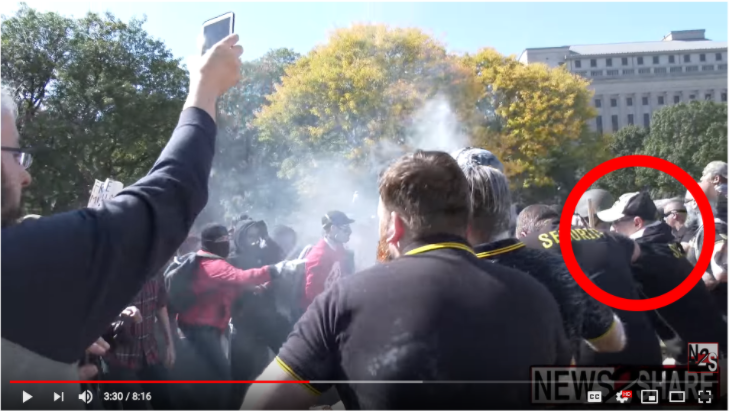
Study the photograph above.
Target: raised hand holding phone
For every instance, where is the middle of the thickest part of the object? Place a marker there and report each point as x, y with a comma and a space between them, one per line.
216, 29
217, 70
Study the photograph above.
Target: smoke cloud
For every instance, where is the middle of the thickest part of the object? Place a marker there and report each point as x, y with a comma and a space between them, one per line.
331, 183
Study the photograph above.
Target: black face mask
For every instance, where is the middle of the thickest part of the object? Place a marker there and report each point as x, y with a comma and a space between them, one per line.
221, 249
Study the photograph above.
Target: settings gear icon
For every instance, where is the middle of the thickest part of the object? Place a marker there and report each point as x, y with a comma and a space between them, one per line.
620, 398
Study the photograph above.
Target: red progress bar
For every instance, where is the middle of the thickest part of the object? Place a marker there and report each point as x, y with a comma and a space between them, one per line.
159, 382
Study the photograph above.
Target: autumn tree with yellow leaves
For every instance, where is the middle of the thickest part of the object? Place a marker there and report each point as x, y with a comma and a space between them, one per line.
362, 88
346, 98
534, 119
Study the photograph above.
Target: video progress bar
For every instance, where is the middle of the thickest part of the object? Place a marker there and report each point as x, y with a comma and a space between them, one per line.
295, 382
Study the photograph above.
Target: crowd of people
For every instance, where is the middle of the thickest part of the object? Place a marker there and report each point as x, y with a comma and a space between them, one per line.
466, 288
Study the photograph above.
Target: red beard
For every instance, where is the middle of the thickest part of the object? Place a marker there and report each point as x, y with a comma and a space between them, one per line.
383, 251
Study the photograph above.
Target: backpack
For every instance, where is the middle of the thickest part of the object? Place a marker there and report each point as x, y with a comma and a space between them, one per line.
179, 277
287, 290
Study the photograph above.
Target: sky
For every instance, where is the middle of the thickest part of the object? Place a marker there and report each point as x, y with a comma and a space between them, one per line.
463, 27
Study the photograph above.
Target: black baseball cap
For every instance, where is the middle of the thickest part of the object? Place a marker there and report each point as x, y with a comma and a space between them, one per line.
336, 218
630, 205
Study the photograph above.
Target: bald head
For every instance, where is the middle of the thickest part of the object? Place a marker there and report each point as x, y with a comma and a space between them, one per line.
675, 214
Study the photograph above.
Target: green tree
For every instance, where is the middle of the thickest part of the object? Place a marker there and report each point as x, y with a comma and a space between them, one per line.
99, 99
244, 178
627, 141
534, 118
689, 135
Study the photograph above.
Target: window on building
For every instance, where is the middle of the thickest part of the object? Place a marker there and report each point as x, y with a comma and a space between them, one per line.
676, 99
691, 96
598, 103
655, 59
708, 97
630, 120
723, 97
639, 60
718, 56
577, 64
629, 101
645, 101
614, 103
686, 58
609, 62
676, 69
660, 70
702, 57
599, 124
671, 59
645, 70
660, 100
647, 119
614, 122
624, 61
593, 63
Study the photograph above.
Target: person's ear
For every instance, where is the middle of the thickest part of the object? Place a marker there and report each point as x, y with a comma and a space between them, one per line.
638, 222
396, 228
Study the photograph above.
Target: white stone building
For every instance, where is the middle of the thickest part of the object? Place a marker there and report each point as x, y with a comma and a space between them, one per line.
632, 80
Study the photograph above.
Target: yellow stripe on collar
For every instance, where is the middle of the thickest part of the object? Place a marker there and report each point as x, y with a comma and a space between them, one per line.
438, 246
501, 250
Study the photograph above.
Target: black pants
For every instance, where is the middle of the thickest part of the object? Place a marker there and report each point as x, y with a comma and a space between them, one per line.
158, 393
206, 345
258, 329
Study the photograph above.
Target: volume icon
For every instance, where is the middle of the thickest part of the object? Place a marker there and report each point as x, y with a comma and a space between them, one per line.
86, 396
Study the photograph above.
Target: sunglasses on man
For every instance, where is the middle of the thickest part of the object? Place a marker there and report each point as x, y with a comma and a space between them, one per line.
673, 212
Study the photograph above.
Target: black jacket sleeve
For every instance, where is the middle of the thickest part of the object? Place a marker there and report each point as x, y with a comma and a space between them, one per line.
67, 276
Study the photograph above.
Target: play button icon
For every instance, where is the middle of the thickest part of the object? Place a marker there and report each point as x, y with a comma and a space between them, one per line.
26, 396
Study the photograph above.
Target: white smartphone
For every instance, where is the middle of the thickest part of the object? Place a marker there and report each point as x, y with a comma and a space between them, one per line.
216, 29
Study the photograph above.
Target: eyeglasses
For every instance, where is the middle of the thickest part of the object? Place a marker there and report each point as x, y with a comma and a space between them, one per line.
24, 158
673, 212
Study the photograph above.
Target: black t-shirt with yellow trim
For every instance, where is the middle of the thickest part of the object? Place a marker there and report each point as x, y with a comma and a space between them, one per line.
606, 259
439, 315
583, 316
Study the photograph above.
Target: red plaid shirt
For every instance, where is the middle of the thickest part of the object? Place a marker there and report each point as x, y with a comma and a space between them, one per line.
143, 351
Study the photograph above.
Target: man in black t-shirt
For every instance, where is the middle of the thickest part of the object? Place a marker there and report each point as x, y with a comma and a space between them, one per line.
583, 316
606, 259
661, 268
433, 312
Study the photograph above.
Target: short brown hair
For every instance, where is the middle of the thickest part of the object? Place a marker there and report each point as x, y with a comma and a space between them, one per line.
429, 191
535, 217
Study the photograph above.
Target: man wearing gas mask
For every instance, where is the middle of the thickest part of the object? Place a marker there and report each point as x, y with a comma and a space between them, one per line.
328, 260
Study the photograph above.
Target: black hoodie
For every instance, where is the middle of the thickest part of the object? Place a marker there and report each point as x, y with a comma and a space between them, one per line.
662, 267
246, 257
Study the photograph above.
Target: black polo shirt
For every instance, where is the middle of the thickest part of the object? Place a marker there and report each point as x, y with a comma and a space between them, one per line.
437, 316
661, 268
606, 259
583, 316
